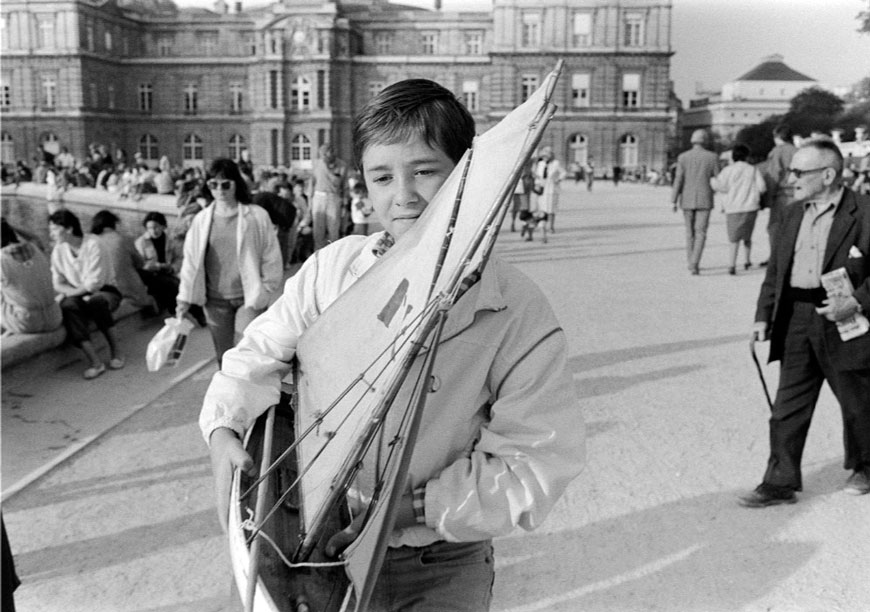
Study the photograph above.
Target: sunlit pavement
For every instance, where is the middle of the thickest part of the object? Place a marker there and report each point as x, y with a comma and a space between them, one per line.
108, 497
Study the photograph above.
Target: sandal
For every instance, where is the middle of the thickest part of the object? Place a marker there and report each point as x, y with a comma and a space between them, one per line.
117, 363
94, 371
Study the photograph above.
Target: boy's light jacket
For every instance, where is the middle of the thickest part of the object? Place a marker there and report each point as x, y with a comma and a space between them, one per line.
258, 254
502, 434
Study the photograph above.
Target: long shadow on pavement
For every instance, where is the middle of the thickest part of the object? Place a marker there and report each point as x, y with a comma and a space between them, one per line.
698, 554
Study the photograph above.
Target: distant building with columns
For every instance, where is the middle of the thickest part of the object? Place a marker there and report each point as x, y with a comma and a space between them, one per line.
282, 79
765, 90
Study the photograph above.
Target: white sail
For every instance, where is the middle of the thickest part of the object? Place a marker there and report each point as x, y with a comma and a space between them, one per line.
376, 319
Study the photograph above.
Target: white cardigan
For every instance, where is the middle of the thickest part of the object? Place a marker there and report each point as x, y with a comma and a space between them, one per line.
258, 254
742, 185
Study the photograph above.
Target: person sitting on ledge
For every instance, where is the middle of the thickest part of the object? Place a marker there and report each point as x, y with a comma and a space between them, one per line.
80, 273
27, 296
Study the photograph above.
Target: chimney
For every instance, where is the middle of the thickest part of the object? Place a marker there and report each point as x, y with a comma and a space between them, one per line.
860, 133
437, 5
238, 6
837, 135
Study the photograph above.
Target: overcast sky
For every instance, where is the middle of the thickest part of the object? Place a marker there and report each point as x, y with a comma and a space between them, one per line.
716, 41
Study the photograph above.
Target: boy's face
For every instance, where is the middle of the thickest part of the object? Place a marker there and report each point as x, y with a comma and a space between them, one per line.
402, 179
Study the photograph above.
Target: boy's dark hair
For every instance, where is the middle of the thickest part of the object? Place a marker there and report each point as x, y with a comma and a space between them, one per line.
783, 132
227, 168
154, 216
67, 219
414, 107
7, 234
102, 220
740, 152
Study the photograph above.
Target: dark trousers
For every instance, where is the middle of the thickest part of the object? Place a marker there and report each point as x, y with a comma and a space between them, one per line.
163, 287
696, 222
78, 313
805, 366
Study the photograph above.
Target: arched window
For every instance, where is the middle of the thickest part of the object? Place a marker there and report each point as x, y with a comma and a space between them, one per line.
148, 148
300, 151
237, 143
7, 148
300, 94
191, 151
50, 143
578, 145
628, 151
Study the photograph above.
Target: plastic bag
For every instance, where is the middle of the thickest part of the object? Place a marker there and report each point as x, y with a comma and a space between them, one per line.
167, 345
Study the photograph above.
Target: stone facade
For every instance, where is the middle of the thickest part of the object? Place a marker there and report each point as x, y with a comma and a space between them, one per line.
280, 80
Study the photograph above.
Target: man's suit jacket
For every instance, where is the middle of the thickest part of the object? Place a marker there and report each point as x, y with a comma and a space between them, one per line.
695, 168
850, 228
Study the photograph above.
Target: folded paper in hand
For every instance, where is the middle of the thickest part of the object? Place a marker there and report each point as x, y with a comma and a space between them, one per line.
837, 283
168, 344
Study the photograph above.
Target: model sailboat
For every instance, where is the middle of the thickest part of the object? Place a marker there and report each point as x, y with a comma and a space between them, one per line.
362, 379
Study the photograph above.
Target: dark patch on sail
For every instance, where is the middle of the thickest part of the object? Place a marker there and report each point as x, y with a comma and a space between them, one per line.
392, 306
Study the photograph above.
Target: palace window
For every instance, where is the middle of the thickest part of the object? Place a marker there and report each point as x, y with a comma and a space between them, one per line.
146, 97
375, 88
191, 99
633, 30
236, 91
429, 43
236, 146
300, 94
273, 89
321, 89
578, 146
631, 90
148, 147
45, 25
531, 30
581, 34
628, 151
165, 43
474, 43
110, 91
528, 85
300, 148
580, 89
191, 149
7, 147
383, 43
471, 95
89, 36
107, 40
49, 91
207, 42
5, 94
94, 95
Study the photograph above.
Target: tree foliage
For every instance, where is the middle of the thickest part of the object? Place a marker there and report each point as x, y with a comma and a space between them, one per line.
759, 137
864, 20
813, 110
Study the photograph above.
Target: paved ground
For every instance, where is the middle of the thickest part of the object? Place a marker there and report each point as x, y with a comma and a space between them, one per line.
123, 519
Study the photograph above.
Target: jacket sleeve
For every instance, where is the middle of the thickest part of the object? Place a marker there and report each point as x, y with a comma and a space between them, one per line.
249, 381
679, 179
271, 264
190, 261
94, 271
526, 455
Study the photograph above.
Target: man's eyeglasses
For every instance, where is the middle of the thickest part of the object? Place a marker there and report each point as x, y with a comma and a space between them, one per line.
216, 184
799, 173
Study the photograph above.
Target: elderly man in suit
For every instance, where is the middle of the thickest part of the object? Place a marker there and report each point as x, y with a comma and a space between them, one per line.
694, 195
827, 228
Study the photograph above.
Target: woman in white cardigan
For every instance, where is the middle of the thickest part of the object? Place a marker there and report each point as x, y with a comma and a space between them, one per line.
232, 261
742, 185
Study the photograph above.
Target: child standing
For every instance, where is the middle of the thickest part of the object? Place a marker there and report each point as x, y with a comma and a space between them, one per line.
360, 210
501, 437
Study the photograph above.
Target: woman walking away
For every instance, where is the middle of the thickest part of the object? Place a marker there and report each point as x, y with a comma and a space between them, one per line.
232, 261
80, 272
742, 185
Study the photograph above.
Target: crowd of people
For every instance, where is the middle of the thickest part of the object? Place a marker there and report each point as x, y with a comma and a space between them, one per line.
235, 235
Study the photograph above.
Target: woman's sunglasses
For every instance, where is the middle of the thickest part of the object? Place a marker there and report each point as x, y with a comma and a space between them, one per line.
216, 184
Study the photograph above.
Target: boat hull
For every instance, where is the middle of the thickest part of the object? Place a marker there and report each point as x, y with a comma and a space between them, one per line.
279, 587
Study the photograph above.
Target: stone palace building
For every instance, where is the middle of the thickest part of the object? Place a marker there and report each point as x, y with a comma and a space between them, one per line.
283, 78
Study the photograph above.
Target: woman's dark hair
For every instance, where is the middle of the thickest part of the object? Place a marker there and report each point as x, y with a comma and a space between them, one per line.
228, 169
7, 234
154, 216
414, 107
102, 220
740, 152
67, 219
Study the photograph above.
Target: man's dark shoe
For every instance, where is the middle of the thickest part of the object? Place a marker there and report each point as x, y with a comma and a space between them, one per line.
858, 483
767, 495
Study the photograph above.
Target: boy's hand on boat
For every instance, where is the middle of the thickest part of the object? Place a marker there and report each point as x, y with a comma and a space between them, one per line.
227, 454
345, 537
